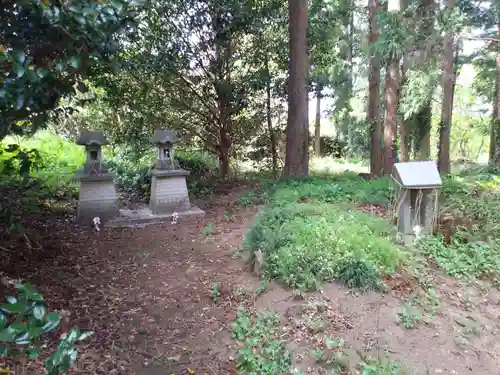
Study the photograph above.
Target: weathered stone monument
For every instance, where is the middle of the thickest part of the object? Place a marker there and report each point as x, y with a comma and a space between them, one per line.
417, 191
97, 197
169, 199
168, 186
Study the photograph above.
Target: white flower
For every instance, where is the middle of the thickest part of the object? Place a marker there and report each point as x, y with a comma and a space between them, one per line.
97, 222
175, 217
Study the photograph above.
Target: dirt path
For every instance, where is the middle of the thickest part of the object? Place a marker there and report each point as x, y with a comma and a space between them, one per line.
146, 293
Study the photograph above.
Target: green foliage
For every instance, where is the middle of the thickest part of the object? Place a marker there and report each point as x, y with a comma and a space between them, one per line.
25, 322
260, 352
332, 355
208, 229
473, 199
409, 316
47, 46
215, 292
464, 257
380, 366
307, 240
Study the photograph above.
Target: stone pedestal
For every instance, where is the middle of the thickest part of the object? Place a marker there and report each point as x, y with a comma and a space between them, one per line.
169, 192
97, 197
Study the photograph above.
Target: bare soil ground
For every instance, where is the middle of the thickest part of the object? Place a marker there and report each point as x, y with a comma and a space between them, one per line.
146, 295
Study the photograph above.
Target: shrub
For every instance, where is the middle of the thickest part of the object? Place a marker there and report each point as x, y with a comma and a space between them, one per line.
25, 322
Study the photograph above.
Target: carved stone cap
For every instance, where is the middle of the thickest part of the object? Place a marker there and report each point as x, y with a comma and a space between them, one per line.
92, 138
164, 136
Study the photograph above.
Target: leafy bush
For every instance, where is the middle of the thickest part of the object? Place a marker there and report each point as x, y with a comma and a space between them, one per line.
25, 323
305, 244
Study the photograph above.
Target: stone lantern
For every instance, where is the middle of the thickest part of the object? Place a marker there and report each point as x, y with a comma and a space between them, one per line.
169, 192
417, 191
97, 196
164, 141
93, 142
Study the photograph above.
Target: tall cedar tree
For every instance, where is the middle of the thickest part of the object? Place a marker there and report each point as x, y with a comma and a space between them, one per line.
392, 84
374, 93
447, 82
494, 154
297, 152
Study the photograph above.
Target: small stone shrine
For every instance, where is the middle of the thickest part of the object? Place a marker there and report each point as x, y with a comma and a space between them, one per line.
168, 186
416, 198
97, 195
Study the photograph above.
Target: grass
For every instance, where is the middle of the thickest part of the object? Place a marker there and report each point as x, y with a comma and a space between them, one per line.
310, 231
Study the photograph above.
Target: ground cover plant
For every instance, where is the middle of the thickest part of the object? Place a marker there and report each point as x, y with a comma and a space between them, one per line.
311, 233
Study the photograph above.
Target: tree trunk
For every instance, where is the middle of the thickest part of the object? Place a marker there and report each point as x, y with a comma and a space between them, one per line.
297, 147
350, 85
374, 94
392, 79
272, 135
423, 132
447, 103
392, 84
405, 125
317, 124
494, 154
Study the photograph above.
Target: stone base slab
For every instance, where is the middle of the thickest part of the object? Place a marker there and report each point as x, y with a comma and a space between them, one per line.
143, 217
97, 198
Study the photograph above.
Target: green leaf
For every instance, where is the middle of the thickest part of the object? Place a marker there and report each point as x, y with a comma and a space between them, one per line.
11, 299
19, 56
117, 4
75, 61
23, 339
39, 311
42, 72
8, 334
53, 317
4, 351
3, 320
11, 308
19, 70
80, 19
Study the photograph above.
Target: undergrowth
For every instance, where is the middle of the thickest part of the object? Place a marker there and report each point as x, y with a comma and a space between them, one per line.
260, 351
311, 233
306, 244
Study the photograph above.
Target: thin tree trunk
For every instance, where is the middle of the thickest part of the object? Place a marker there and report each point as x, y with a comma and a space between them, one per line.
494, 154
317, 124
447, 103
392, 78
297, 147
423, 132
374, 95
350, 85
405, 125
272, 135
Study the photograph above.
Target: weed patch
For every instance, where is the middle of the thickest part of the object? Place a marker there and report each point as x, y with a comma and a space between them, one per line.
260, 350
464, 258
306, 244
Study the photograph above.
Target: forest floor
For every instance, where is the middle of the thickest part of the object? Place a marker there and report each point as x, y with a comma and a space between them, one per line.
161, 300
